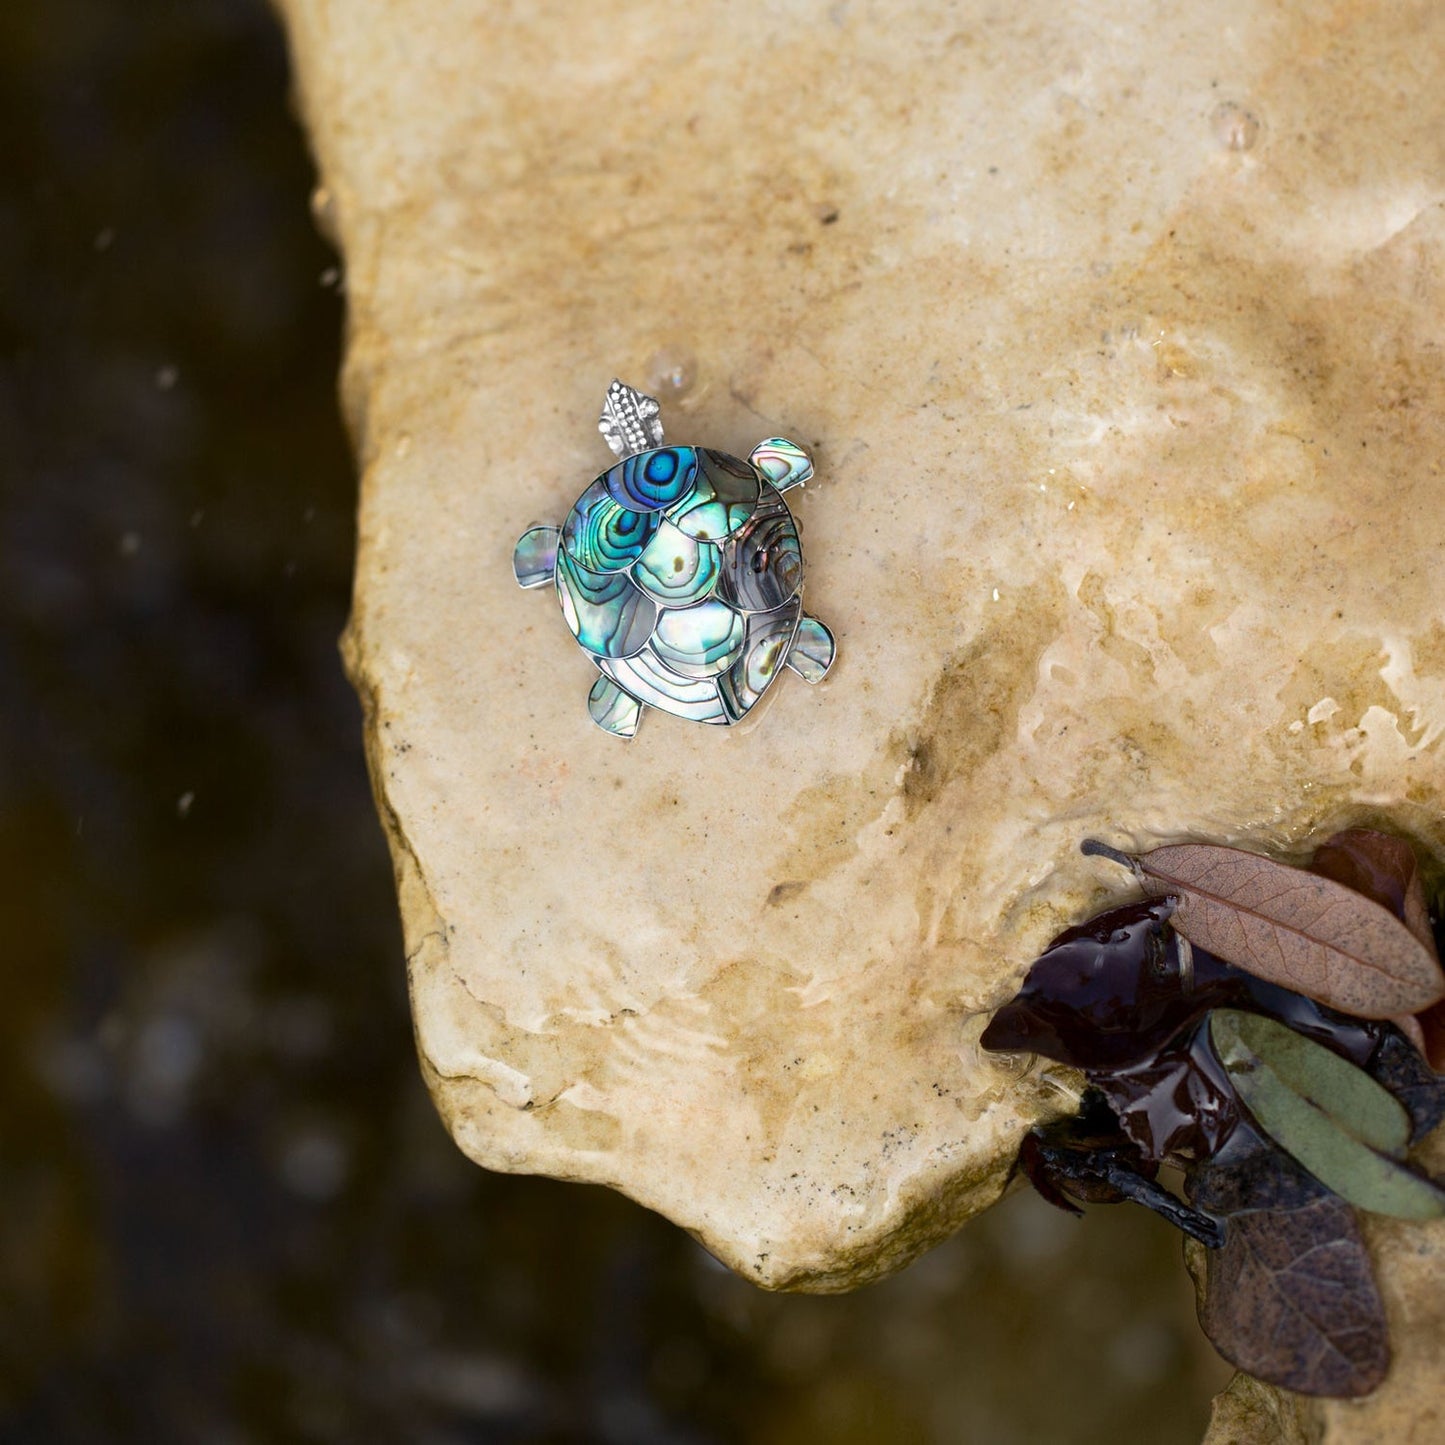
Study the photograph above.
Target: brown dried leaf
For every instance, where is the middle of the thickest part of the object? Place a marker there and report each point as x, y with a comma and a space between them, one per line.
1409, 1025
1385, 868
1294, 928
1292, 1299
1382, 867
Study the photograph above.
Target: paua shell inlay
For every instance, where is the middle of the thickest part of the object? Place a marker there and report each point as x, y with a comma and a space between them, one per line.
613, 710
763, 562
608, 613
699, 641
722, 499
648, 680
603, 535
534, 559
652, 481
785, 464
811, 654
680, 572
765, 650
676, 570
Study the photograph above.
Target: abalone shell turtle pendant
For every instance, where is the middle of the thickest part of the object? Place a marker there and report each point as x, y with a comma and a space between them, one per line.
680, 573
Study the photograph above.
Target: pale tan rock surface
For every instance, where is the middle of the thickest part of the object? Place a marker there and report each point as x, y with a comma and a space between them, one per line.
1116, 330
1248, 1412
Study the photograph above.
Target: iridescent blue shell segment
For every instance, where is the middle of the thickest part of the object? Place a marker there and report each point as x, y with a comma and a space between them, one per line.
603, 535
675, 570
680, 573
721, 500
608, 613
785, 464
763, 561
652, 481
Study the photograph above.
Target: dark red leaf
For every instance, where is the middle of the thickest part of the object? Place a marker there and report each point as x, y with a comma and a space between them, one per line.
1179, 1104
1291, 1299
1385, 868
1382, 867
1432, 1034
1106, 993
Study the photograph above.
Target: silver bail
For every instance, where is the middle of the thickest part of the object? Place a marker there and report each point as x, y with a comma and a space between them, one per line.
630, 422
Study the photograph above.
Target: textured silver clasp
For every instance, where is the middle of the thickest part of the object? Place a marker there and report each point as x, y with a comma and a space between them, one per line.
630, 422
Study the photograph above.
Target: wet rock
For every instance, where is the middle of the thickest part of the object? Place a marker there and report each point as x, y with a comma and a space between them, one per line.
1118, 349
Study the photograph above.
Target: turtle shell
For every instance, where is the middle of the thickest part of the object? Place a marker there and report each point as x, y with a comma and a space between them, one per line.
681, 575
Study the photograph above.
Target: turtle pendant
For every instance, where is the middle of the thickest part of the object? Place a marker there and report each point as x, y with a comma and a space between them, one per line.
680, 573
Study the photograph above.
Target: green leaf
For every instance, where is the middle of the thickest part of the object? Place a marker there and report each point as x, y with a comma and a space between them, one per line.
1326, 1113
1361, 1107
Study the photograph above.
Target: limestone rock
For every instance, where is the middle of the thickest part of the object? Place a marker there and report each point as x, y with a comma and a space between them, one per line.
1117, 340
1249, 1412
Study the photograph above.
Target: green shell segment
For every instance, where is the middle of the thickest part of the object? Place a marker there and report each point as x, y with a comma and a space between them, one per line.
699, 641
604, 536
811, 654
645, 678
675, 570
652, 481
762, 565
608, 614
785, 464
765, 648
534, 559
613, 710
721, 500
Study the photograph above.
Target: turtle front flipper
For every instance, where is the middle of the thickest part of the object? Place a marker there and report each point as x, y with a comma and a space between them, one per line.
811, 652
613, 710
785, 464
534, 561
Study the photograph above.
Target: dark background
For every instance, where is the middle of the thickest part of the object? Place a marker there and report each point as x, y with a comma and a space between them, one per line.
227, 1211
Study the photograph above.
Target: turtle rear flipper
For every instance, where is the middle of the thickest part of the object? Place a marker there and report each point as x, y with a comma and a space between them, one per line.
613, 710
812, 650
534, 560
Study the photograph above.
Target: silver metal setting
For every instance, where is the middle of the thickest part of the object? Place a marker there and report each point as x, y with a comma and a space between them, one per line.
679, 571
630, 422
